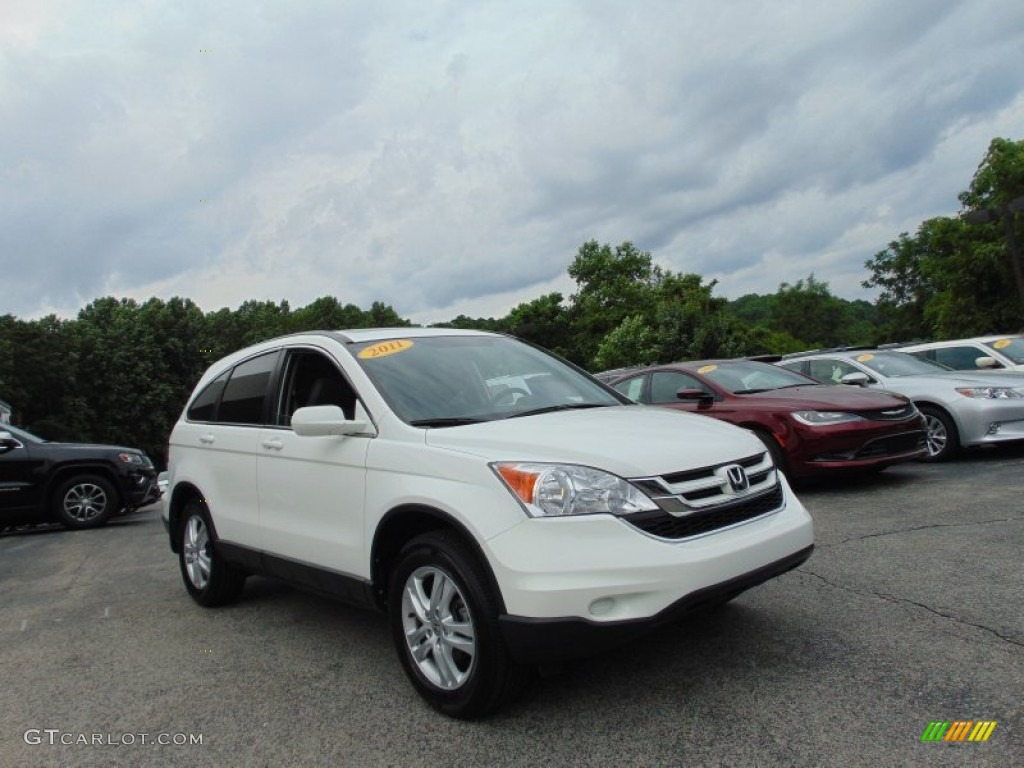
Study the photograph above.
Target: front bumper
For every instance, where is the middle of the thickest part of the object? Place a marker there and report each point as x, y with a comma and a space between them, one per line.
982, 422
538, 641
599, 577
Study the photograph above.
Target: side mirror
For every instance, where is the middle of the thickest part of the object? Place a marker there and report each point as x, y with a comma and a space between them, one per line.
987, 362
7, 441
702, 397
324, 420
856, 379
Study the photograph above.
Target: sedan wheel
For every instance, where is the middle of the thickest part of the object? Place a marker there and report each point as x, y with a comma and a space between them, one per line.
942, 440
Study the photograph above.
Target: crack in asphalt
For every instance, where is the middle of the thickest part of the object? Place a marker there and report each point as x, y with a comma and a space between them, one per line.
905, 601
923, 528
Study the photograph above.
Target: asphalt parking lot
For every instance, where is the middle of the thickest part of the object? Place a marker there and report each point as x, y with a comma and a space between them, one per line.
911, 610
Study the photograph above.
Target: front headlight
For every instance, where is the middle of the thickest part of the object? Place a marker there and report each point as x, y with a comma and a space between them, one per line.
991, 393
556, 490
825, 418
131, 458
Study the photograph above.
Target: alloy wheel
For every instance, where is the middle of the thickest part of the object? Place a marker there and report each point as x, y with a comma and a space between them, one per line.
85, 502
439, 631
196, 549
937, 435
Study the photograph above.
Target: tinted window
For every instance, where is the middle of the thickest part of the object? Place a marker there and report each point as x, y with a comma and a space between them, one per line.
665, 384
204, 407
631, 388
313, 379
246, 391
959, 358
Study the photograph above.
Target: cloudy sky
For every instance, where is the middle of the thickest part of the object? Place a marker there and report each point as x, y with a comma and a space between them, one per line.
450, 156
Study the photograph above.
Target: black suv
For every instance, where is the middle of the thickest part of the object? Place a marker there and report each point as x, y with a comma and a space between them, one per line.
80, 486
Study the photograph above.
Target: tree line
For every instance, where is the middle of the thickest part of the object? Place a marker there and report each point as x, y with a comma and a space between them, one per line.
121, 371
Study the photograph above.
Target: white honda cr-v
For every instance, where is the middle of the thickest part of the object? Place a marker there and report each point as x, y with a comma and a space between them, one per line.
500, 505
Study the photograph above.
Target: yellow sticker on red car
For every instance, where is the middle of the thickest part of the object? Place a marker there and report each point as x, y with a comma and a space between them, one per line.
707, 368
864, 358
1002, 343
385, 348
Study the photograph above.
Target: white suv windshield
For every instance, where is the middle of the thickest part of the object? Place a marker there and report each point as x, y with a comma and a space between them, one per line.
1011, 348
441, 381
899, 364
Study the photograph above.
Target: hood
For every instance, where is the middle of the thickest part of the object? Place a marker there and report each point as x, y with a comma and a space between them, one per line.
827, 398
630, 441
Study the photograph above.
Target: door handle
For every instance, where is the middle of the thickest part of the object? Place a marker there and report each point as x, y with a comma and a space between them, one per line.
207, 439
274, 444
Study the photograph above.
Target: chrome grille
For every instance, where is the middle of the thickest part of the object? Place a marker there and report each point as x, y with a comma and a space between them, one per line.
700, 501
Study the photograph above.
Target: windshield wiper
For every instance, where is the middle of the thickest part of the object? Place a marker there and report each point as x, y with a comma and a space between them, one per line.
455, 421
562, 407
749, 391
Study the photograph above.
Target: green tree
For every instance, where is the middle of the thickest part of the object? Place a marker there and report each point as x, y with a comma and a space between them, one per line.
950, 278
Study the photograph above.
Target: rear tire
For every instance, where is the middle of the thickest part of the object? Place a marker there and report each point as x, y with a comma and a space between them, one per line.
208, 578
943, 441
85, 501
444, 623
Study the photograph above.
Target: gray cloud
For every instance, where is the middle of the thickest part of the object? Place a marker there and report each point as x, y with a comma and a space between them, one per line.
434, 156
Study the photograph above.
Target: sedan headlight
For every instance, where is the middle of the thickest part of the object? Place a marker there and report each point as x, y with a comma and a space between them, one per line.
131, 458
991, 393
556, 490
825, 418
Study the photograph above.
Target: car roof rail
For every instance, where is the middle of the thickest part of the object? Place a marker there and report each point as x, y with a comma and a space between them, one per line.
824, 350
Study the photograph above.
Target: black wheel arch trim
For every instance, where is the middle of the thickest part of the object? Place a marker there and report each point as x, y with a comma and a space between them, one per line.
379, 570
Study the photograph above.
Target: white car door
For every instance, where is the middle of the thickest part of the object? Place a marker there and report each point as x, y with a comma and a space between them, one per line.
312, 489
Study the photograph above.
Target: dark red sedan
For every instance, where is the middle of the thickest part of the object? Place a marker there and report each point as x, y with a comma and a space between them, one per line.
810, 428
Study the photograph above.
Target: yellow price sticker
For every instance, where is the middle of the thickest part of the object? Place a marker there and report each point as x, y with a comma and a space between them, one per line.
385, 348
1002, 343
864, 358
707, 368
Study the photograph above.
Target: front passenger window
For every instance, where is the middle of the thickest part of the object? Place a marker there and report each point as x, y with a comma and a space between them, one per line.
312, 379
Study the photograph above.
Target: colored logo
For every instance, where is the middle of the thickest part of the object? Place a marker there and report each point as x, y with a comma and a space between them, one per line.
958, 730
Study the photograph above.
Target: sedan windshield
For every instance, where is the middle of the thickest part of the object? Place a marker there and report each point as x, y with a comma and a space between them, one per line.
745, 378
447, 381
1013, 348
899, 364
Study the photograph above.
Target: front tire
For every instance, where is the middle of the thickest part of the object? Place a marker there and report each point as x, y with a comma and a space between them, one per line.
208, 578
943, 440
85, 501
444, 623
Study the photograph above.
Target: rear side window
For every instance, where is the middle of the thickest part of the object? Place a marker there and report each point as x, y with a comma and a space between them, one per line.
204, 407
245, 395
631, 388
959, 358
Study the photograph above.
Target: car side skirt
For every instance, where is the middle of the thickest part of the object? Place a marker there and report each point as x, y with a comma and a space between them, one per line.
321, 581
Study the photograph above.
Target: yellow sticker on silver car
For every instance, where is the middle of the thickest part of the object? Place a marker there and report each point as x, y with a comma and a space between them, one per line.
864, 358
1002, 343
385, 348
